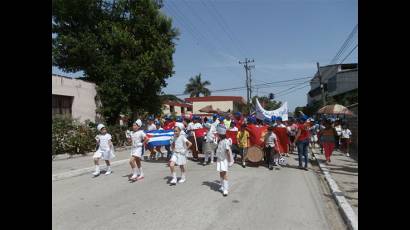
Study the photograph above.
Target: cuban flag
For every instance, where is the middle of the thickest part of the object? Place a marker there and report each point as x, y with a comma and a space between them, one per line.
159, 137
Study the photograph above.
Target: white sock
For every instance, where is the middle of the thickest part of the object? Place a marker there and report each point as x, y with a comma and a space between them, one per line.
212, 157
222, 183
174, 175
135, 171
108, 168
97, 168
183, 175
226, 185
141, 173
206, 157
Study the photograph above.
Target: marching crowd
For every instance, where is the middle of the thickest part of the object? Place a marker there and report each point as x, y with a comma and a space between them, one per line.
222, 139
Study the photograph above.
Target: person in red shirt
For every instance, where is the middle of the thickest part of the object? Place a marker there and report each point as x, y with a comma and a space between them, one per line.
239, 120
302, 141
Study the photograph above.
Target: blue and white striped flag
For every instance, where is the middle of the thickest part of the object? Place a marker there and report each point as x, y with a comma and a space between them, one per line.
159, 137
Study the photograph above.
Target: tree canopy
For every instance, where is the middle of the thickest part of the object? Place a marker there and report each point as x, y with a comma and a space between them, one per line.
124, 46
196, 87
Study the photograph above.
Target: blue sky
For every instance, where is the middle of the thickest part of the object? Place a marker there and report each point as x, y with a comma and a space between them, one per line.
285, 38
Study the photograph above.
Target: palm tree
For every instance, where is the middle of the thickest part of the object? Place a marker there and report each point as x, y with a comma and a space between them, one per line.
195, 87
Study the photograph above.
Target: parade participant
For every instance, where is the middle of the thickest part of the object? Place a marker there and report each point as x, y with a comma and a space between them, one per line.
231, 136
151, 126
105, 150
243, 143
239, 120
179, 123
271, 155
168, 124
227, 121
221, 121
138, 139
180, 145
328, 138
283, 139
346, 133
292, 130
302, 141
313, 131
158, 148
338, 129
210, 141
194, 125
223, 154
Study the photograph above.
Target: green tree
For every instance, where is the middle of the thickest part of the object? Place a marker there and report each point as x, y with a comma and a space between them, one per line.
266, 103
195, 87
124, 46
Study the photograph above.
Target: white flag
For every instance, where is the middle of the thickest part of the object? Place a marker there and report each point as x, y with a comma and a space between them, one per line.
261, 113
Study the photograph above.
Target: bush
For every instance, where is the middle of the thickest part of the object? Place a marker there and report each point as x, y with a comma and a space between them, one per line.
72, 137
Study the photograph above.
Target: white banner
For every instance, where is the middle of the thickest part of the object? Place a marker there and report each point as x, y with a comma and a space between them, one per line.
261, 113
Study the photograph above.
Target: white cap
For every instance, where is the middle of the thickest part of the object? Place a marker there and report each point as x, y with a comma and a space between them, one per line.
138, 122
221, 130
100, 126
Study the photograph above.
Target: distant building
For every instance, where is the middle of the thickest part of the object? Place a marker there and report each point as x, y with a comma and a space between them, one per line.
179, 109
337, 79
74, 98
222, 103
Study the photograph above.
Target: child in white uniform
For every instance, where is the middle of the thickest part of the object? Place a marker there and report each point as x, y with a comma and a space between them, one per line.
138, 139
179, 146
105, 150
224, 158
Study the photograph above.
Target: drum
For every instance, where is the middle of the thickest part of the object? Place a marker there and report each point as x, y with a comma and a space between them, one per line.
255, 154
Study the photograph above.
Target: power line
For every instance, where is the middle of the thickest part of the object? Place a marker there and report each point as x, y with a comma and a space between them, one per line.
348, 54
344, 46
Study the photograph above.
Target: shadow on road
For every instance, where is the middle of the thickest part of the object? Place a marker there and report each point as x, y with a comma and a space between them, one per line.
212, 185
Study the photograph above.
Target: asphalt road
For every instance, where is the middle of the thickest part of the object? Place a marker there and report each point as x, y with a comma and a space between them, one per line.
285, 198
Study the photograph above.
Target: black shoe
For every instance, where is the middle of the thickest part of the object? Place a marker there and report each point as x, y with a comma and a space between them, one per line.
271, 167
243, 166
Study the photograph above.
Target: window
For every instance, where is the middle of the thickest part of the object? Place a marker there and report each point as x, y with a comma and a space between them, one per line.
172, 109
182, 109
61, 105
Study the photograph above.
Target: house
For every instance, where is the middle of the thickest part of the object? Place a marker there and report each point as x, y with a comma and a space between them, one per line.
74, 98
177, 108
221, 103
337, 80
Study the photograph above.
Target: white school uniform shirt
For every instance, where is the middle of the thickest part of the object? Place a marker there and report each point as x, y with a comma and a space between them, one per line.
346, 133
151, 127
339, 130
137, 138
270, 139
104, 139
223, 145
180, 144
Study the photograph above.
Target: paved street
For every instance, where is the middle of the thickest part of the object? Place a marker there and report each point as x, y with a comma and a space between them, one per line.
286, 198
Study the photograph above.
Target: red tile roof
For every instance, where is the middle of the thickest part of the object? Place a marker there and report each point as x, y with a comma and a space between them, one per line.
216, 98
178, 104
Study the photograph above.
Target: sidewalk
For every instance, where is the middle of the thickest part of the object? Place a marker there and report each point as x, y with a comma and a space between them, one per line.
342, 177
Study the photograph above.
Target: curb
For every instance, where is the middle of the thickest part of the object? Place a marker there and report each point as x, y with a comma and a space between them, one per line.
79, 172
346, 209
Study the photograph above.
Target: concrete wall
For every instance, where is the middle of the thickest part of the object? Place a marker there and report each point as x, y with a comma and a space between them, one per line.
222, 105
166, 110
345, 81
84, 93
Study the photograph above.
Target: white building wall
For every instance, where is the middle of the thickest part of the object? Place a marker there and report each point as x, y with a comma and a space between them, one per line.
84, 93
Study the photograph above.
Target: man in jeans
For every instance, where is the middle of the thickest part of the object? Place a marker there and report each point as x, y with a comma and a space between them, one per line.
302, 141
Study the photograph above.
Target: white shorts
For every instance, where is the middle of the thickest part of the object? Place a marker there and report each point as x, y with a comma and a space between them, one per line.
137, 152
222, 166
105, 155
313, 138
178, 158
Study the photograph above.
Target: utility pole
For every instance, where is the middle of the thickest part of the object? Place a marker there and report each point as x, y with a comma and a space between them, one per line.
321, 85
248, 83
